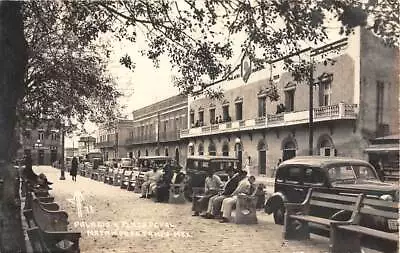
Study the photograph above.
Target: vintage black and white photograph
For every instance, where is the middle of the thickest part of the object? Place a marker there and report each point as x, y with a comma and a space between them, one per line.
176, 126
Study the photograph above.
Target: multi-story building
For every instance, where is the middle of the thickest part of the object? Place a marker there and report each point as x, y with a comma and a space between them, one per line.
355, 100
71, 152
110, 139
155, 129
43, 144
85, 145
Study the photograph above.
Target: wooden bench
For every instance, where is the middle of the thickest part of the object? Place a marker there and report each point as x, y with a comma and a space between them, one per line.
48, 231
346, 236
298, 216
246, 209
176, 194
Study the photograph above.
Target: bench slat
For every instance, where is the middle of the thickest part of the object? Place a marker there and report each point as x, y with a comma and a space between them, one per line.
382, 203
312, 219
376, 212
372, 232
332, 205
334, 196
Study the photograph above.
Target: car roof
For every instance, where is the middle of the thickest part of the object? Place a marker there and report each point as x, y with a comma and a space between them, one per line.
211, 158
322, 161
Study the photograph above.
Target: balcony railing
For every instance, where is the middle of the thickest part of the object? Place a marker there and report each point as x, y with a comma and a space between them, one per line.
275, 118
151, 138
323, 113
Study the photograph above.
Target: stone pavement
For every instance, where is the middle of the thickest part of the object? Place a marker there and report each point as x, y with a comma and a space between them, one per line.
115, 220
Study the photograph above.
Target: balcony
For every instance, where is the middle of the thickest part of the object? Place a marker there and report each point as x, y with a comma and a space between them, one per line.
152, 138
105, 144
323, 113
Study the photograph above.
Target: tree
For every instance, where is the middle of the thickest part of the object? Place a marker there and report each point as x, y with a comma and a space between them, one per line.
199, 38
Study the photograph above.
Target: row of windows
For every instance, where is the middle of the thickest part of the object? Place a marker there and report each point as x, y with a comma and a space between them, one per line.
42, 136
146, 130
325, 93
106, 138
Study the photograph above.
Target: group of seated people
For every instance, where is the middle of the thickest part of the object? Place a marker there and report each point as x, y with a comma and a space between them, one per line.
157, 183
219, 204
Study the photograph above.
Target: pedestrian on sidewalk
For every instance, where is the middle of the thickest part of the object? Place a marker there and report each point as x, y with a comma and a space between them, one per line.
74, 168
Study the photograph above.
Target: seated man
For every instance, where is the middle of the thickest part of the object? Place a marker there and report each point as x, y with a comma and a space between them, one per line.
215, 202
162, 191
246, 186
212, 185
151, 178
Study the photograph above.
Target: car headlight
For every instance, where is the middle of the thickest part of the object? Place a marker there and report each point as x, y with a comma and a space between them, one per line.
386, 197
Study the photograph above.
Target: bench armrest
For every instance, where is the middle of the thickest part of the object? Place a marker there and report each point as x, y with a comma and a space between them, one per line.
46, 199
50, 206
340, 223
292, 208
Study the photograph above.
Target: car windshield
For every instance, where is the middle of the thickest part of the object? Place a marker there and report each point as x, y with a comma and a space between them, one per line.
351, 173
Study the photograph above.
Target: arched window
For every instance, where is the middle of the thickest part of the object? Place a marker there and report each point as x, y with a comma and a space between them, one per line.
201, 149
225, 149
289, 147
138, 153
325, 146
166, 151
146, 153
211, 149
156, 152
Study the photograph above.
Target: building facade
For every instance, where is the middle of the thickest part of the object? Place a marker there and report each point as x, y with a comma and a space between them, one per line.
156, 129
110, 140
85, 145
355, 100
43, 144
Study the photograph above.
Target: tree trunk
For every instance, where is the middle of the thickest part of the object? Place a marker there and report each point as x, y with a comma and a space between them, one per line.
12, 70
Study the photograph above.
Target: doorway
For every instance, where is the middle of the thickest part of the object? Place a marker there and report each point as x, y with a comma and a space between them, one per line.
289, 150
41, 157
262, 157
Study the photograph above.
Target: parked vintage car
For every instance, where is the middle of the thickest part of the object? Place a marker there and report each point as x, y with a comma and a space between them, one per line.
339, 175
108, 175
197, 167
118, 174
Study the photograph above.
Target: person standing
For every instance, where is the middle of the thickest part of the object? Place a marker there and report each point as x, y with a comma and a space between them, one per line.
74, 168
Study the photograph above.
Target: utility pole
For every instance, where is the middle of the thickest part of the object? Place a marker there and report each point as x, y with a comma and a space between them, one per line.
158, 132
311, 108
62, 177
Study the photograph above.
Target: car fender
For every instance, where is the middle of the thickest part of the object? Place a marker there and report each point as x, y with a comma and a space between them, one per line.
274, 201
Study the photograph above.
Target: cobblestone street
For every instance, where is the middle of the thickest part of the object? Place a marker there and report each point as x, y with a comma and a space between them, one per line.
115, 220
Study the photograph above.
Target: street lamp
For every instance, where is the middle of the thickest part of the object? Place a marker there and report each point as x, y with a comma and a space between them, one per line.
63, 125
37, 146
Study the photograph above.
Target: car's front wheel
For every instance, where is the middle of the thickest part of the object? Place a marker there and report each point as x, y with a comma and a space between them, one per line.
279, 214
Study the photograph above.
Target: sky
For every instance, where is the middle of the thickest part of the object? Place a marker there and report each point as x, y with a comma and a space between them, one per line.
146, 84
143, 86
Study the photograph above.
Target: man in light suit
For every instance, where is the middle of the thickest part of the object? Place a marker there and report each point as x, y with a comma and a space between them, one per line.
246, 186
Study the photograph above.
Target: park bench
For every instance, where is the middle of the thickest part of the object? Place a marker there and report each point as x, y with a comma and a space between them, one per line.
298, 215
246, 209
176, 194
346, 236
48, 230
